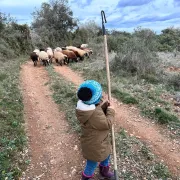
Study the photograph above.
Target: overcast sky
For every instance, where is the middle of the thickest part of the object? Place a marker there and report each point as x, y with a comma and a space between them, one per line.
122, 15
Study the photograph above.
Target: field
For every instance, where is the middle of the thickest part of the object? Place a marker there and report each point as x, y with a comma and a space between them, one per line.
139, 156
39, 131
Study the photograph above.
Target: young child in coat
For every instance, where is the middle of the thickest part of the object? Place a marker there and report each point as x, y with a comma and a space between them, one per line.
96, 120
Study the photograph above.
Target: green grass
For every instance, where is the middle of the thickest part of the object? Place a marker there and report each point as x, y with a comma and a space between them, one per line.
136, 160
2, 76
124, 97
164, 117
12, 135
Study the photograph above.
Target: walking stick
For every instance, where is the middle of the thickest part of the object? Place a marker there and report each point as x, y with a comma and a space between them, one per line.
109, 92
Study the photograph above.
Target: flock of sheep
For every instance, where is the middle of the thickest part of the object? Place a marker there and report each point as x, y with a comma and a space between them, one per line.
61, 55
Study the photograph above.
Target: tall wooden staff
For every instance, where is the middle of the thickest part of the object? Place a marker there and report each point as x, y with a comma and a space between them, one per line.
109, 91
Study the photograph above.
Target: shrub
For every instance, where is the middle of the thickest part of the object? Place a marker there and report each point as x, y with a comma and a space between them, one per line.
137, 54
15, 39
161, 171
136, 59
124, 97
174, 81
5, 50
164, 117
116, 40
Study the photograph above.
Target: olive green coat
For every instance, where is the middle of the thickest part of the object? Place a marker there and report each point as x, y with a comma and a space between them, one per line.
95, 141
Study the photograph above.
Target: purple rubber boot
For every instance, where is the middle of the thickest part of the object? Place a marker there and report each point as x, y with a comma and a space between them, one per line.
84, 177
105, 173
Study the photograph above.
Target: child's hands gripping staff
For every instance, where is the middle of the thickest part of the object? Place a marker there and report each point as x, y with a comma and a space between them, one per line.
106, 105
110, 106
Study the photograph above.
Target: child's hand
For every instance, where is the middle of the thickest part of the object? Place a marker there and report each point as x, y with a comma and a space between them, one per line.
104, 106
111, 106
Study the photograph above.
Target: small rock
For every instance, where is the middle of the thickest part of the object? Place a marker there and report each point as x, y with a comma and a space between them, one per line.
52, 161
73, 171
75, 147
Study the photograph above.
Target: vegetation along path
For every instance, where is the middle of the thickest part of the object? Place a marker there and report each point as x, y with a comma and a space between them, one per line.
129, 118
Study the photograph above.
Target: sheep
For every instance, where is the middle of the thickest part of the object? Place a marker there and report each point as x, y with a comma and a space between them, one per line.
81, 53
75, 51
42, 49
60, 57
43, 56
71, 55
89, 51
50, 54
58, 49
84, 46
34, 58
36, 51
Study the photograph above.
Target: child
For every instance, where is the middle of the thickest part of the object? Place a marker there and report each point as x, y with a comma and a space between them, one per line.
95, 125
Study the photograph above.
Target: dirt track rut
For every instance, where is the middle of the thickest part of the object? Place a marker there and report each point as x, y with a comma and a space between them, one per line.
55, 153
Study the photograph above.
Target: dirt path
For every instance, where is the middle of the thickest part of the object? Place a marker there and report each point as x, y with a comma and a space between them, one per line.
54, 151
129, 118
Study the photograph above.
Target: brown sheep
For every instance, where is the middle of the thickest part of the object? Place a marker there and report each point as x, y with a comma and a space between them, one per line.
71, 55
60, 58
89, 51
81, 53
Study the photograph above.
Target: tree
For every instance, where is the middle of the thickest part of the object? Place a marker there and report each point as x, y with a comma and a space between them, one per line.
86, 32
54, 23
147, 37
15, 39
169, 39
92, 29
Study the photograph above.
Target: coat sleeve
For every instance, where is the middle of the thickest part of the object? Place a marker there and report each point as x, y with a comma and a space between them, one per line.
110, 114
100, 121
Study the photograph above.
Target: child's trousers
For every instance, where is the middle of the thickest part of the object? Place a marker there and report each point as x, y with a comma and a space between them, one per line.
91, 166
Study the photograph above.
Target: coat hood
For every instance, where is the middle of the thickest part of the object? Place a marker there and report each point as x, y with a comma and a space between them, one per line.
84, 111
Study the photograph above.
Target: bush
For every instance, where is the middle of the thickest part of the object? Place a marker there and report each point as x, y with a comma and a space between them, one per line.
137, 54
161, 171
169, 39
164, 117
124, 97
115, 41
174, 81
15, 39
136, 58
5, 50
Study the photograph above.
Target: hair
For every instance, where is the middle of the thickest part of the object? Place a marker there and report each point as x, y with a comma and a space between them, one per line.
84, 94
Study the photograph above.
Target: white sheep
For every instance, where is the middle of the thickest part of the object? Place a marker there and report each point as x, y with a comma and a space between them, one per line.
84, 45
36, 51
60, 58
58, 49
44, 57
50, 54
